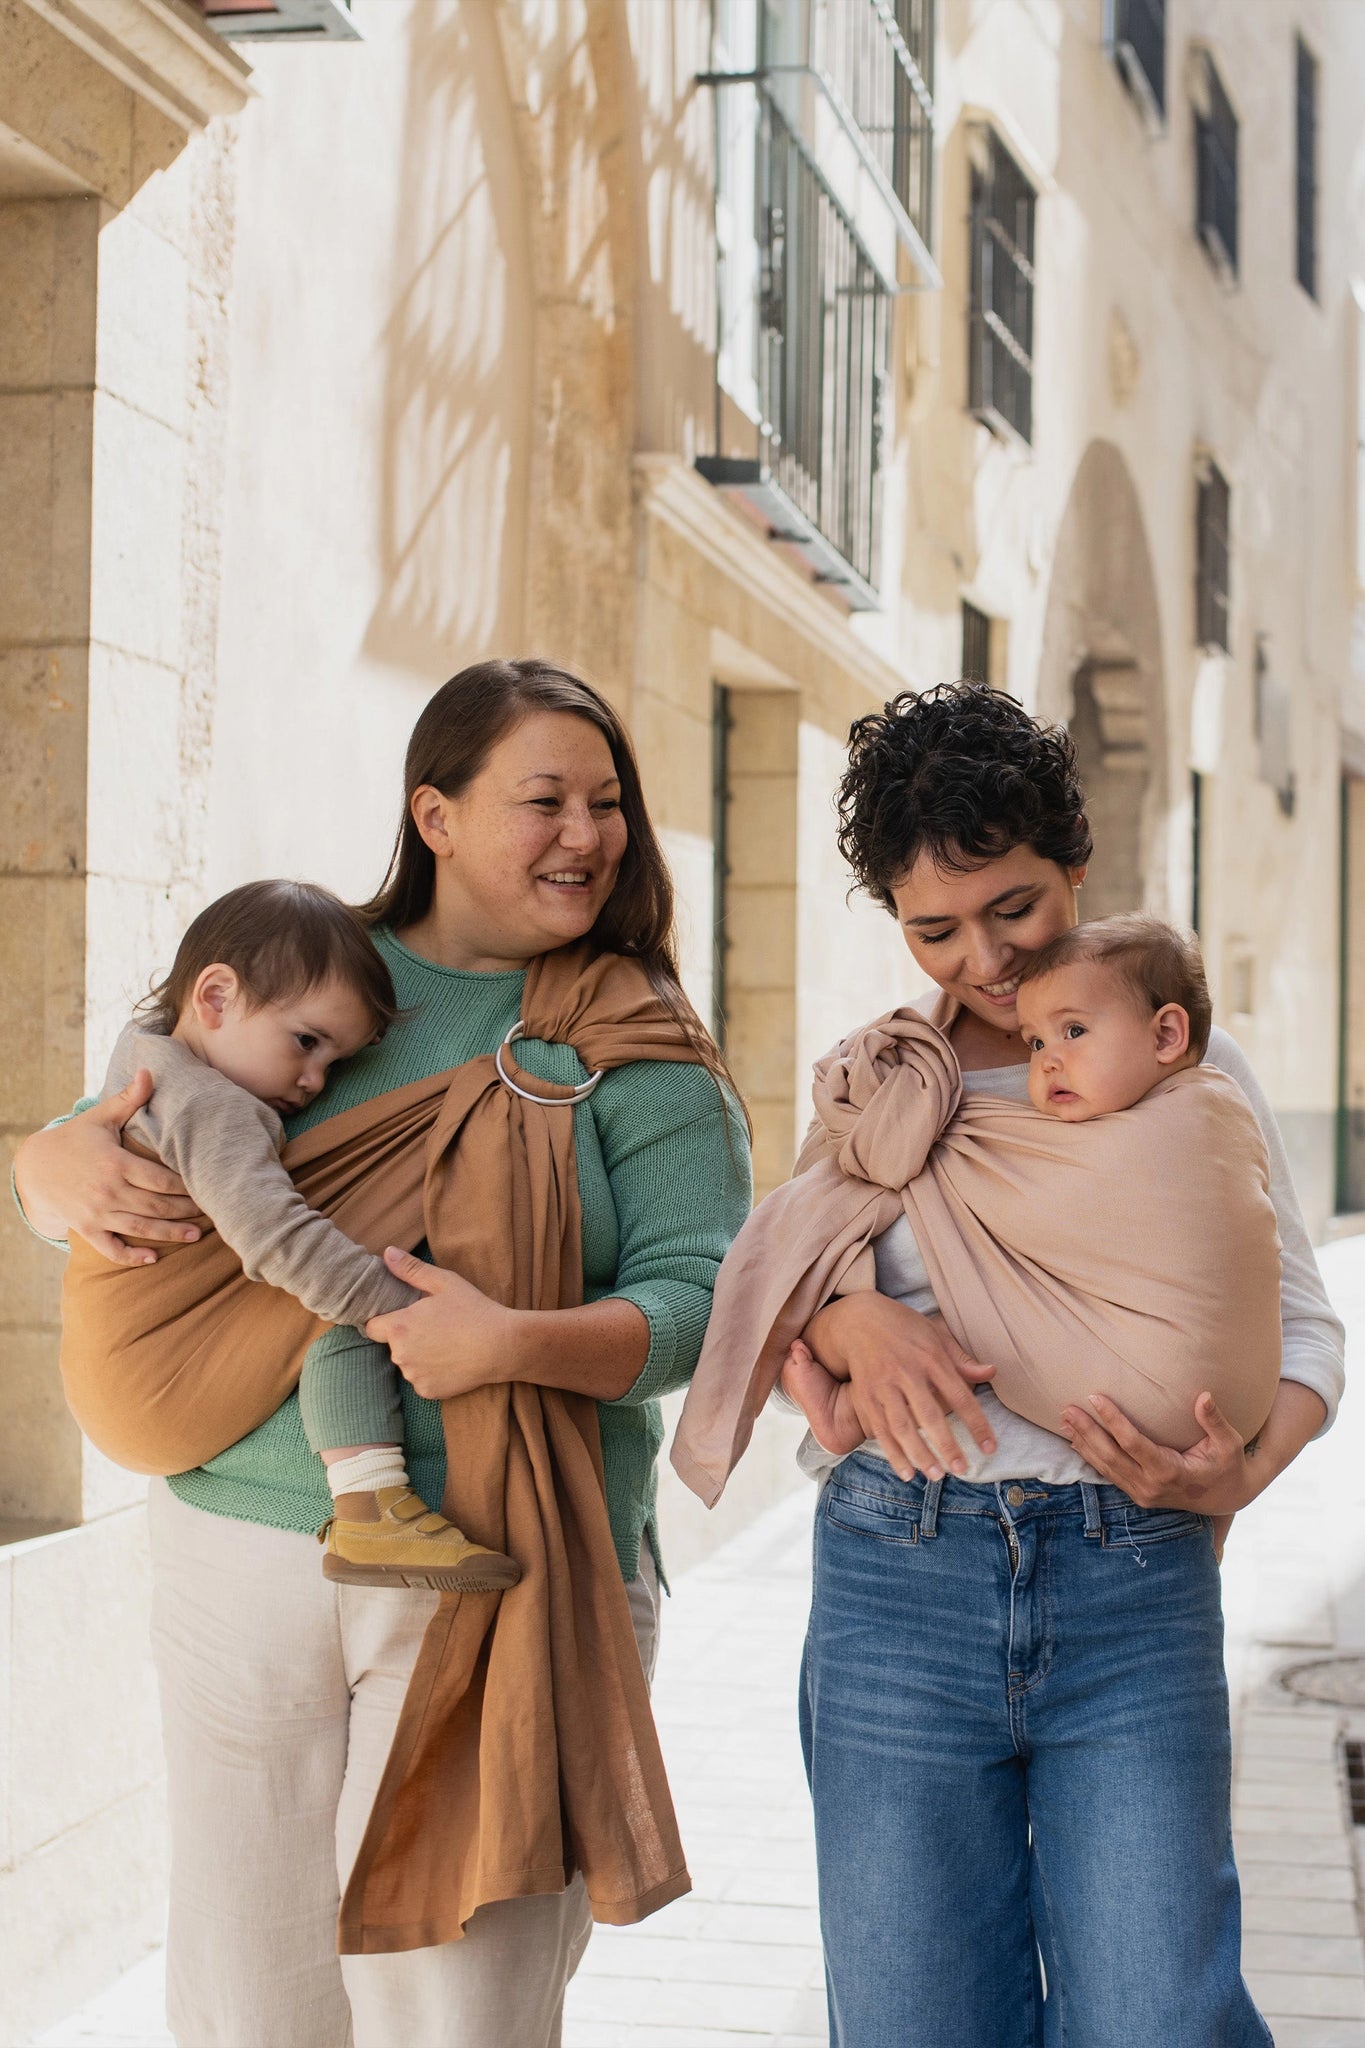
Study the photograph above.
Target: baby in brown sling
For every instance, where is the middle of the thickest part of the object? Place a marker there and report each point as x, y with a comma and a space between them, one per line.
1139, 1259
271, 986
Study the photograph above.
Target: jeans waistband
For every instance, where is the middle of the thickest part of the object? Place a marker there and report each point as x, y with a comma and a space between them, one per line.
1018, 1499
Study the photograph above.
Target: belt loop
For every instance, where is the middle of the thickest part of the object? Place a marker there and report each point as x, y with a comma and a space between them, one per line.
928, 1516
1090, 1501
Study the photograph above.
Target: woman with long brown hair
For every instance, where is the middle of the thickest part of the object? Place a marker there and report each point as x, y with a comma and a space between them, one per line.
524, 835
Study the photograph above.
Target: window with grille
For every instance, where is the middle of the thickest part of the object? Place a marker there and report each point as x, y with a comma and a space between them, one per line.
1212, 512
1306, 167
1215, 148
1000, 374
1138, 40
976, 644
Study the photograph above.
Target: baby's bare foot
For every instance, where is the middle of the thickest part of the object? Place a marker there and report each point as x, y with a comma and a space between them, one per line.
826, 1403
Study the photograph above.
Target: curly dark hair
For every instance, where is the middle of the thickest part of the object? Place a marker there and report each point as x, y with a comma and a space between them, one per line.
963, 773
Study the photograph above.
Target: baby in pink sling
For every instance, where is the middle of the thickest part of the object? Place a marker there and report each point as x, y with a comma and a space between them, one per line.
1113, 1235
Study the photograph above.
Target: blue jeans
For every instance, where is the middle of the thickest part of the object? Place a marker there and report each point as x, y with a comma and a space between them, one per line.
1015, 1722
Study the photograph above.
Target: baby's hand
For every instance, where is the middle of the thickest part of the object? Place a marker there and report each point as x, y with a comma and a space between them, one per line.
826, 1403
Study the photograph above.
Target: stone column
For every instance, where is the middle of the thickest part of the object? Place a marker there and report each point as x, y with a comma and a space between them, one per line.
48, 279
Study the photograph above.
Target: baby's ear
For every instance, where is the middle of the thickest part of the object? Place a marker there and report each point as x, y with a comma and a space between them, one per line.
1171, 1025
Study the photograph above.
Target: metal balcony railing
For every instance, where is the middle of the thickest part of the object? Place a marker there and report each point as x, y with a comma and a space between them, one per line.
873, 62
822, 337
878, 58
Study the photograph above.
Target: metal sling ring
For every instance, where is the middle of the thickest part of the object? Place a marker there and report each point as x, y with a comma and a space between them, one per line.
578, 1094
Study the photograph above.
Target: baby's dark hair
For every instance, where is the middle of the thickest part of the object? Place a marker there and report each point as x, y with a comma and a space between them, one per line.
1158, 962
279, 938
964, 774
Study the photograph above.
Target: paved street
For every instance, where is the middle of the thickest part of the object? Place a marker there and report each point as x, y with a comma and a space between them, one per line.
737, 1964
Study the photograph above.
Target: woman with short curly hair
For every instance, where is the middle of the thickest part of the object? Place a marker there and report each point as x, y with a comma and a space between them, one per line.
1014, 1709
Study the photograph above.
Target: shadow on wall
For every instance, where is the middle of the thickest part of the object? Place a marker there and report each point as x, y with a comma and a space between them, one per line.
458, 360
671, 143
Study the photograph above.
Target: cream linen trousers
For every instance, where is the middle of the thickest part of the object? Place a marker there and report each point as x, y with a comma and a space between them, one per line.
280, 1693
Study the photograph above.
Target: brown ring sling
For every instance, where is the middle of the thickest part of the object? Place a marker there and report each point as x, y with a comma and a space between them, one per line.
526, 1749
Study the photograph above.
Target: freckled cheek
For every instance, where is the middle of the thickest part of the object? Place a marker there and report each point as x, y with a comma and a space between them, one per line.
614, 837
512, 856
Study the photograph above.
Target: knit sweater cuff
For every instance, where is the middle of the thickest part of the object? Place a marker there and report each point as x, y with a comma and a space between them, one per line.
668, 1346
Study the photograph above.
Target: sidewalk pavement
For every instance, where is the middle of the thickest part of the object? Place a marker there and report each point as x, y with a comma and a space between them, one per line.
737, 1964
1294, 1597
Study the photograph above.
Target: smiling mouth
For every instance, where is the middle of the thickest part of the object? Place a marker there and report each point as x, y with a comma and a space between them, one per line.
567, 878
1002, 993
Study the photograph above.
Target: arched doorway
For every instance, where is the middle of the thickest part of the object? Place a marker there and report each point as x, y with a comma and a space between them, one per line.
1101, 673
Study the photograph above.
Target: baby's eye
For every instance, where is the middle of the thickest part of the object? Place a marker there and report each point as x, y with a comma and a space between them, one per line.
1075, 1031
305, 1041
1035, 1045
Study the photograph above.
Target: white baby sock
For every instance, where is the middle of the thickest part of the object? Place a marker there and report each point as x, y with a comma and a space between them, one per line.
368, 1471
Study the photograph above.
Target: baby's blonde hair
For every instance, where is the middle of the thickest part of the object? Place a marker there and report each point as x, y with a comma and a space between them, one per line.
1158, 963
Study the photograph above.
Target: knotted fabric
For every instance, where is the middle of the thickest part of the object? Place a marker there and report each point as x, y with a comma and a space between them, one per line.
1134, 1255
526, 1749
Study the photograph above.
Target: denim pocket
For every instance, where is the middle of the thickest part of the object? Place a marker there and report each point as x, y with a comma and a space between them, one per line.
1135, 1528
864, 1510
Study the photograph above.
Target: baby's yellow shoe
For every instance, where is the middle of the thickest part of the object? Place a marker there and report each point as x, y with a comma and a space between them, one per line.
409, 1544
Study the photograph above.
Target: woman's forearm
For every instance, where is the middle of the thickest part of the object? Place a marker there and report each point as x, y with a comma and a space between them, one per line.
599, 1349
39, 1209
1295, 1418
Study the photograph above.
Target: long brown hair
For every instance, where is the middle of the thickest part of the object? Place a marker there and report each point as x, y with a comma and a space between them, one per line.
450, 744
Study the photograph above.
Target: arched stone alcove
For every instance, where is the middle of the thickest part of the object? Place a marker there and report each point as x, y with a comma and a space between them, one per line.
1101, 673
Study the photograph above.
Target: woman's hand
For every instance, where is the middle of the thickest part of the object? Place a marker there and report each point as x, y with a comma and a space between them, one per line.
453, 1340
77, 1180
1210, 1479
1220, 1475
908, 1374
457, 1339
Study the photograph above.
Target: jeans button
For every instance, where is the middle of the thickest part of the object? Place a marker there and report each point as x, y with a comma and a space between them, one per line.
1015, 1496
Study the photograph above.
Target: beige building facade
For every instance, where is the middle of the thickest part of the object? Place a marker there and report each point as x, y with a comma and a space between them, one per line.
759, 361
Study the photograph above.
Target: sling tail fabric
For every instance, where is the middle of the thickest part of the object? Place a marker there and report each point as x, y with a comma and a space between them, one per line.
526, 1749
1136, 1255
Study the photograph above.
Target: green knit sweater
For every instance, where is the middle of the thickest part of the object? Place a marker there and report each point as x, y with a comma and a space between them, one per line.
664, 1187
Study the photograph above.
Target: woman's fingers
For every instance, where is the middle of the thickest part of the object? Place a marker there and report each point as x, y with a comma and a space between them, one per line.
960, 1374
964, 1404
117, 1252
1099, 1449
1126, 1434
158, 1181
1120, 1452
936, 1431
904, 1447
129, 1225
